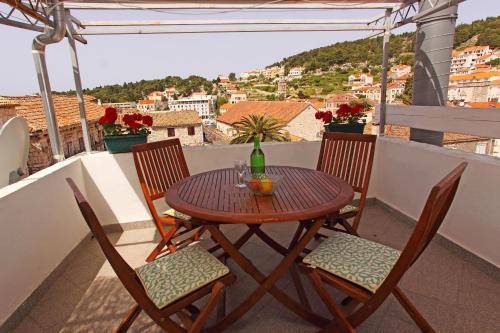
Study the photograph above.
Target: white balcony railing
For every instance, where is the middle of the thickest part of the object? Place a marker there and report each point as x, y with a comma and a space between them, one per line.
40, 223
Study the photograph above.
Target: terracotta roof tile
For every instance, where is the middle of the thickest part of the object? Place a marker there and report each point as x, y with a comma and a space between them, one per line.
146, 101
66, 109
480, 75
174, 118
483, 104
283, 111
338, 98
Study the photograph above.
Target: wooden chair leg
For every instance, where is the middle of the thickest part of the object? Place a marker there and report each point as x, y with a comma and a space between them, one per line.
132, 314
156, 251
217, 290
221, 306
412, 311
338, 314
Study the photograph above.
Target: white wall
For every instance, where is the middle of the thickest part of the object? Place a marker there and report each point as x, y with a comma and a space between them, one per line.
39, 226
305, 125
404, 173
113, 188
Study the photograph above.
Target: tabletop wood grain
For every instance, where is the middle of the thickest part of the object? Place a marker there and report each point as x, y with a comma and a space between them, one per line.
303, 194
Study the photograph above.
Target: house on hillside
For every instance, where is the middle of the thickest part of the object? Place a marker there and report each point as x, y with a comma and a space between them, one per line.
476, 87
298, 117
398, 71
146, 105
200, 102
185, 125
237, 96
336, 100
295, 72
156, 96
68, 120
360, 80
463, 60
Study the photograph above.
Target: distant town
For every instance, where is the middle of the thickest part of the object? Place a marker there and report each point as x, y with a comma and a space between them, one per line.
291, 95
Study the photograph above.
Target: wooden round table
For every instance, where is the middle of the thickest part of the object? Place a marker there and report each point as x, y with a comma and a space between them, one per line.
304, 195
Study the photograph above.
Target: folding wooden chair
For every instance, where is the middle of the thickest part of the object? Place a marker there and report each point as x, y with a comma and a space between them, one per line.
368, 272
348, 156
167, 286
159, 165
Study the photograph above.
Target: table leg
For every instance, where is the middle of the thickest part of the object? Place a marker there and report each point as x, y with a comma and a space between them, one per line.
267, 284
294, 272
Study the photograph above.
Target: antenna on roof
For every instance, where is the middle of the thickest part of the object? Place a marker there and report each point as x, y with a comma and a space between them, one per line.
14, 147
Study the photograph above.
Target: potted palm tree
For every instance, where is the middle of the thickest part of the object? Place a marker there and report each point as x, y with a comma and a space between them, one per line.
263, 126
119, 138
347, 119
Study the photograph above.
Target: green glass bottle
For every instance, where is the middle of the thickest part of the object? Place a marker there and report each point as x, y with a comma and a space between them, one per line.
257, 159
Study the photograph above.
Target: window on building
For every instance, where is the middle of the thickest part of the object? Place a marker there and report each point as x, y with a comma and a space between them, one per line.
171, 131
191, 130
481, 148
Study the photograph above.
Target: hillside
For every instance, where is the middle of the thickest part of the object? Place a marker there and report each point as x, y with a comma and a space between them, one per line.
133, 91
401, 50
368, 51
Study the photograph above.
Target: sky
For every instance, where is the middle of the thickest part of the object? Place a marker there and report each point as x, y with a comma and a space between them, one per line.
117, 59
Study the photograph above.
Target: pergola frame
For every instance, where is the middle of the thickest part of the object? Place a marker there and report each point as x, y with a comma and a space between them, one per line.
38, 15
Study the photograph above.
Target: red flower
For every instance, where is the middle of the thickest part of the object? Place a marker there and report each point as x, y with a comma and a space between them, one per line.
104, 120
111, 114
358, 107
134, 125
318, 115
343, 110
127, 119
147, 120
137, 116
327, 117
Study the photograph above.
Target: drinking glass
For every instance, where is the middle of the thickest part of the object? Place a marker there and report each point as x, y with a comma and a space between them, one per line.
241, 168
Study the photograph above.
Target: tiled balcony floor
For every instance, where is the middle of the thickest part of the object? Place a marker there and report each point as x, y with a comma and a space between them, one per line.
454, 292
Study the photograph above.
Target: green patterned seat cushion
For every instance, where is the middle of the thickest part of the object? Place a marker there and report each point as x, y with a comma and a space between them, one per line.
172, 212
348, 209
175, 275
355, 259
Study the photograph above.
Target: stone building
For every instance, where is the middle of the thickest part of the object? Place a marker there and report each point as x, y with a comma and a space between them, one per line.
475, 87
298, 117
185, 125
68, 120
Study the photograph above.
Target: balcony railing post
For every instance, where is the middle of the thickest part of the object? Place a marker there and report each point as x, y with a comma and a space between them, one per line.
383, 80
38, 49
434, 45
78, 86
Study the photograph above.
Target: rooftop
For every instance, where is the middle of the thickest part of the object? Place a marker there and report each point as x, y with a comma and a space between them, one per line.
175, 118
280, 110
66, 109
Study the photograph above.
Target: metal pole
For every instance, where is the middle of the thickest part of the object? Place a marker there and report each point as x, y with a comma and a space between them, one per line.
78, 89
38, 49
434, 45
383, 80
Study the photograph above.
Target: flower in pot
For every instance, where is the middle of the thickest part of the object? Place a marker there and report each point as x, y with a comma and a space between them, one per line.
348, 119
133, 129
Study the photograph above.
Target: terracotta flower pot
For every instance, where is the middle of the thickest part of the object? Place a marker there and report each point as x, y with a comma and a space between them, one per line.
345, 128
123, 143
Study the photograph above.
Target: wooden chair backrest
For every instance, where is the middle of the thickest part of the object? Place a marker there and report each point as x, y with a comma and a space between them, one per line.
159, 165
124, 272
433, 214
348, 156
